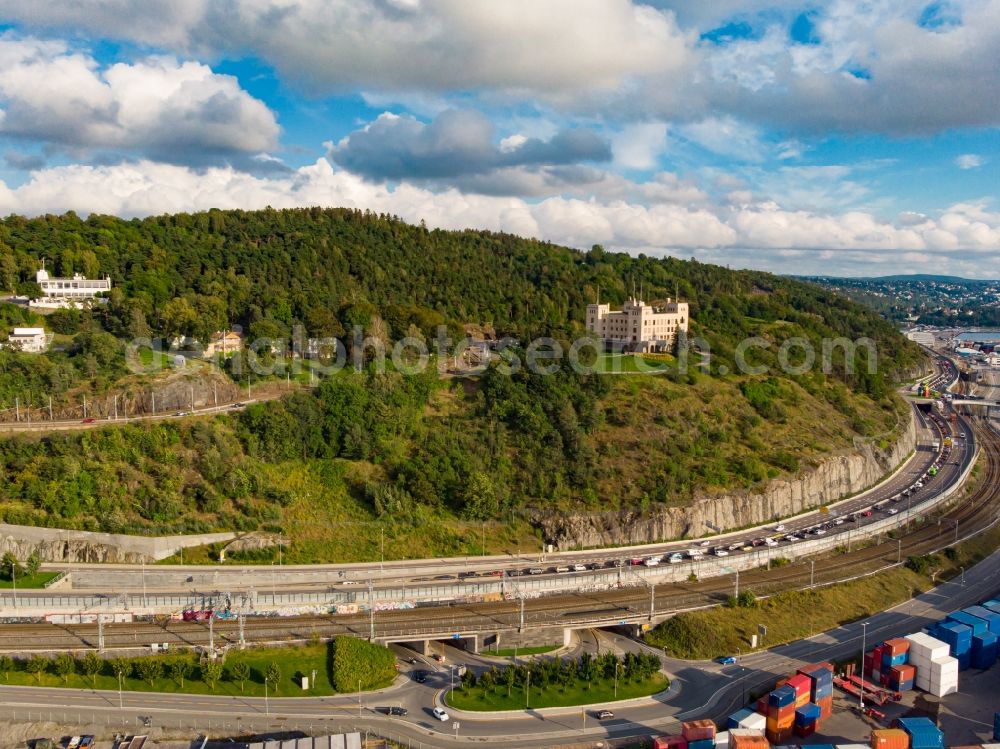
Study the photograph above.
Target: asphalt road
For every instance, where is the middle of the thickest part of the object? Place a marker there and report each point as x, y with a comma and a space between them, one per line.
442, 572
700, 690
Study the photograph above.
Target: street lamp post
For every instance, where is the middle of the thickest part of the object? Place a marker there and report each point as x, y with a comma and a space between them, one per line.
267, 710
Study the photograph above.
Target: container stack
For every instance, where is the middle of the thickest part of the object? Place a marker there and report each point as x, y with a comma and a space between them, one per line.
959, 639
699, 734
820, 687
807, 719
874, 668
923, 733
977, 625
894, 653
992, 618
890, 738
936, 670
742, 738
780, 714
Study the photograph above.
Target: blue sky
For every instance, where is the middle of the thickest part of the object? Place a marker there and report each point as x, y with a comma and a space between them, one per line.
850, 137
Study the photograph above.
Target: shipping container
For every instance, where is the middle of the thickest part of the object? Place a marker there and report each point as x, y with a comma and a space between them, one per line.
984, 651
696, 730
807, 714
741, 738
978, 626
923, 733
890, 738
702, 744
740, 715
992, 618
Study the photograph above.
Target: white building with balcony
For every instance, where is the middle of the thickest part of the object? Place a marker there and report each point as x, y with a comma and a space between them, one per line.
68, 292
639, 326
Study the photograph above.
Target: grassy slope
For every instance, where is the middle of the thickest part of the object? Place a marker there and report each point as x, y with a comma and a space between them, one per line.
798, 614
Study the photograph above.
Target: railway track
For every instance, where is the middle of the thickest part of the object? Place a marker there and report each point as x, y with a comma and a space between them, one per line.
973, 512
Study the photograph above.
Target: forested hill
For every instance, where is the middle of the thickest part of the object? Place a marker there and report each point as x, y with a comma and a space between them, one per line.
427, 458
329, 269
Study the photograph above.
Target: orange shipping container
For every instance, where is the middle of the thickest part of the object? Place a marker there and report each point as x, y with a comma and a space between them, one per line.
779, 724
890, 738
669, 742
739, 739
825, 707
697, 730
897, 646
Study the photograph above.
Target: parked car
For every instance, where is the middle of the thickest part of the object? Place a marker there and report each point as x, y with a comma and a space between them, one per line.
440, 714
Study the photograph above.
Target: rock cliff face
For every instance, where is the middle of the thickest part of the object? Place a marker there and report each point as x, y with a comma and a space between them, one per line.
55, 545
833, 478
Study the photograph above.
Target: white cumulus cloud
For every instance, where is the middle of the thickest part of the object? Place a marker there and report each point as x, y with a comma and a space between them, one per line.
683, 221
160, 106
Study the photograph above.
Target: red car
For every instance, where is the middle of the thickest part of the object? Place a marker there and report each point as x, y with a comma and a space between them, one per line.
88, 421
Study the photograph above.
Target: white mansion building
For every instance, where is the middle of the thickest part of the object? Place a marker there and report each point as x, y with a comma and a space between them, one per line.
68, 292
639, 326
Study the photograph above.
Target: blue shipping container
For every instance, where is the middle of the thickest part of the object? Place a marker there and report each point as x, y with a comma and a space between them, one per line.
996, 727
740, 715
923, 733
702, 744
984, 651
808, 714
781, 697
992, 618
978, 625
958, 636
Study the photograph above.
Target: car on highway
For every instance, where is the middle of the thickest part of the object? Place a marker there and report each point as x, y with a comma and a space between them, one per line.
536, 571
562, 569
892, 511
394, 710
579, 568
439, 657
88, 421
652, 562
705, 543
779, 529
721, 553
420, 677
440, 714
675, 558
726, 660
604, 714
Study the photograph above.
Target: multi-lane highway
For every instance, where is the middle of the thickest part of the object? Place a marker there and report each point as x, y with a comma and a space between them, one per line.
894, 493
571, 610
700, 690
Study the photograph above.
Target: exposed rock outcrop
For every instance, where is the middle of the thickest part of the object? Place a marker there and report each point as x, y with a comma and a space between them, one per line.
834, 477
54, 545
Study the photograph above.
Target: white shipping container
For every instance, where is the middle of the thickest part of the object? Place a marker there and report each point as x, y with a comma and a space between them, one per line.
853, 746
754, 722
922, 644
743, 732
721, 739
